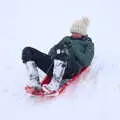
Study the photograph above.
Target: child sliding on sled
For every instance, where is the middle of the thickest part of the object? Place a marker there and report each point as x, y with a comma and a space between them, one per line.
64, 60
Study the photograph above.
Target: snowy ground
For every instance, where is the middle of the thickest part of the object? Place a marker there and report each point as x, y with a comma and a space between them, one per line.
40, 24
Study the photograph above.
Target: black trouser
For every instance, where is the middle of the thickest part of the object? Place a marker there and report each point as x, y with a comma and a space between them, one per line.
42, 60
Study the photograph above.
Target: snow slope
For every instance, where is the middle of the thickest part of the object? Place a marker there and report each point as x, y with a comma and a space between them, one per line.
40, 24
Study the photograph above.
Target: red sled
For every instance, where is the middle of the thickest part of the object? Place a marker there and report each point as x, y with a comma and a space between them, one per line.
36, 92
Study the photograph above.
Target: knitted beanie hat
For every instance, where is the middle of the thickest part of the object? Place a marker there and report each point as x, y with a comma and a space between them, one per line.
80, 26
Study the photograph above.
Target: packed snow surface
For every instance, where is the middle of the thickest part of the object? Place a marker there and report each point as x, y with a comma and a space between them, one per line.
41, 24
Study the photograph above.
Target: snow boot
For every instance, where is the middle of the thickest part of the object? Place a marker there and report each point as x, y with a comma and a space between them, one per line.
58, 73
33, 75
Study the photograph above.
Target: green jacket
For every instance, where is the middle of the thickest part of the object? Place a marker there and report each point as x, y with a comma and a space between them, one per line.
81, 53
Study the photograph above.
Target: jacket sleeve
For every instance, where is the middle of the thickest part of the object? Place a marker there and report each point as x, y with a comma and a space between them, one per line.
52, 52
85, 58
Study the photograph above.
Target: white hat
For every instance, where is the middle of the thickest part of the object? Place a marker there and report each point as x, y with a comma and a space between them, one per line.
80, 26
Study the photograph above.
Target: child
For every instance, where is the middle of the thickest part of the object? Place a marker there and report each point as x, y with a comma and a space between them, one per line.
65, 59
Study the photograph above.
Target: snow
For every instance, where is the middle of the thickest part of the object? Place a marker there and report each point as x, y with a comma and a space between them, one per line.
40, 24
